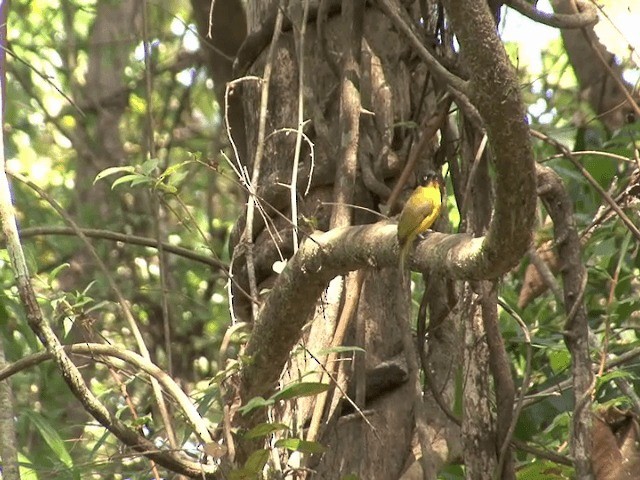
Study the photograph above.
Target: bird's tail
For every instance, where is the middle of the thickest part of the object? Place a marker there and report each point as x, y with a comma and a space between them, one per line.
402, 261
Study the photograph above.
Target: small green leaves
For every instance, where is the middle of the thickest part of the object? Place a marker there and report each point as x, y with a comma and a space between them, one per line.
297, 445
293, 390
302, 389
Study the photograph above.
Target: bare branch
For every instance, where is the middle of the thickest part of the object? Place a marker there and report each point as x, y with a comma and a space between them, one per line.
500, 368
558, 20
559, 206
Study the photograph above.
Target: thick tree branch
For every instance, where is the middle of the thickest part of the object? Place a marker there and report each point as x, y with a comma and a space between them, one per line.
324, 256
478, 426
496, 94
8, 438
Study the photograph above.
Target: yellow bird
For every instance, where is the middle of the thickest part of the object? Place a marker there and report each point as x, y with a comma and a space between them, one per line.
419, 213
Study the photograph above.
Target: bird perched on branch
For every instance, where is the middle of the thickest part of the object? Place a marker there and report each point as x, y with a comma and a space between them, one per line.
419, 213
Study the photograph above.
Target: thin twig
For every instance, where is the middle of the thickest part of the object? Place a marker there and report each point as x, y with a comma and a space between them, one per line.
345, 395
247, 235
296, 156
138, 362
546, 274
540, 453
431, 127
471, 178
127, 239
617, 79
353, 286
424, 361
525, 382
101, 265
157, 212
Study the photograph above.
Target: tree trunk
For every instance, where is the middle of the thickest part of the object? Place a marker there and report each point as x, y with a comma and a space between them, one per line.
395, 86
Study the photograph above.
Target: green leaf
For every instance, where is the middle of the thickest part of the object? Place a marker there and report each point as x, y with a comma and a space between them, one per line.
341, 349
301, 389
50, 436
141, 421
176, 170
559, 360
264, 429
101, 441
148, 166
177, 177
297, 445
141, 181
134, 179
256, 461
112, 171
545, 470
255, 403
27, 472
607, 377
242, 474
163, 187
56, 271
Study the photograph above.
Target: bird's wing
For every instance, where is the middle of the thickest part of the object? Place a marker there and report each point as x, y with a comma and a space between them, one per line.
419, 213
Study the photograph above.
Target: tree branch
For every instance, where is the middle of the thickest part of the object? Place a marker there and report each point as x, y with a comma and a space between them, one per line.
129, 357
558, 20
500, 368
495, 92
324, 256
560, 208
68, 370
395, 12
129, 239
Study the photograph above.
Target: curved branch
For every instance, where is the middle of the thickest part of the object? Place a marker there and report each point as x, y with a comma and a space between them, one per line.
69, 371
558, 20
495, 93
324, 256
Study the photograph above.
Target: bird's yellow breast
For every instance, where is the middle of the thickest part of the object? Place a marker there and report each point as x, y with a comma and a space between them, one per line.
420, 212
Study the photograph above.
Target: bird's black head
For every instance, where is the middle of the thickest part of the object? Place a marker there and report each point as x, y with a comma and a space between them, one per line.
430, 177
